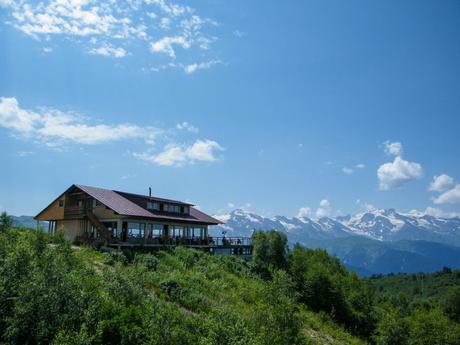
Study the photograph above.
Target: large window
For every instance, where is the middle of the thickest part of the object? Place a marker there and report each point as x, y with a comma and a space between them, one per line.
169, 208
153, 205
155, 230
136, 230
177, 231
197, 232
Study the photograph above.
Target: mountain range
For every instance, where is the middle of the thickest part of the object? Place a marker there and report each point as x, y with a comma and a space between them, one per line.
371, 242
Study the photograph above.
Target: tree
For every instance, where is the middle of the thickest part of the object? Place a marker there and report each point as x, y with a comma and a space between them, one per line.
451, 305
392, 329
6, 221
278, 319
270, 251
432, 328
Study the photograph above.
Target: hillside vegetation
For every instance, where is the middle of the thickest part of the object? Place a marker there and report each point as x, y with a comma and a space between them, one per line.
51, 292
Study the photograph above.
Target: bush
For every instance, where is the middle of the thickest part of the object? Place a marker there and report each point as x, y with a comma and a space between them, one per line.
148, 260
171, 288
115, 256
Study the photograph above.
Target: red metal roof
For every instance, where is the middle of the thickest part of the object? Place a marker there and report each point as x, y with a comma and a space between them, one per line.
115, 201
125, 207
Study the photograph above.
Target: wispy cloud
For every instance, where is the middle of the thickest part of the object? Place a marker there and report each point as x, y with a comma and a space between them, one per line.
393, 148
118, 28
56, 128
304, 212
50, 125
108, 50
191, 68
180, 154
187, 127
347, 171
350, 171
166, 45
435, 212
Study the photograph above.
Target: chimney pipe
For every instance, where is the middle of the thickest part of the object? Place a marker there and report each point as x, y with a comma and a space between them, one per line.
150, 192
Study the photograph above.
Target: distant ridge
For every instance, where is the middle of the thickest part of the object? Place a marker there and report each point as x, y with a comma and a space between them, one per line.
27, 222
376, 241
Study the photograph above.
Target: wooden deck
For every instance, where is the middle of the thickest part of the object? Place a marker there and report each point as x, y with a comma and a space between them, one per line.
239, 246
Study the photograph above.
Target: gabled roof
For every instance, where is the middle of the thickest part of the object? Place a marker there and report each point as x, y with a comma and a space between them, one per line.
135, 205
115, 201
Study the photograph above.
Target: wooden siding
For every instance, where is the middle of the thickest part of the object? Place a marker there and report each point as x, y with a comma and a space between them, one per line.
71, 228
103, 212
53, 211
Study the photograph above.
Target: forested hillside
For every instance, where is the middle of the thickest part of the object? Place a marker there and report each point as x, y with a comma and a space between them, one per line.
52, 292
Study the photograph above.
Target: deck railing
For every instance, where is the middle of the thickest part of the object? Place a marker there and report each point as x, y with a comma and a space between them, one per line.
209, 242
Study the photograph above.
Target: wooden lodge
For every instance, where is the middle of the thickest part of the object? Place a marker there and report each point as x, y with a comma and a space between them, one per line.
119, 219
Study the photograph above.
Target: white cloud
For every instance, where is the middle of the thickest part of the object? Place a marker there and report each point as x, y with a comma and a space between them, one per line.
239, 33
393, 148
347, 171
25, 153
6, 3
452, 196
13, 117
108, 50
48, 125
437, 212
187, 127
365, 205
304, 212
53, 128
324, 209
441, 183
434, 212
99, 27
165, 45
191, 68
230, 205
397, 173
360, 166
179, 154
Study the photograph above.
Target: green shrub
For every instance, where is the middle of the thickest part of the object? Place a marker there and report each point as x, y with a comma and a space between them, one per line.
115, 256
148, 260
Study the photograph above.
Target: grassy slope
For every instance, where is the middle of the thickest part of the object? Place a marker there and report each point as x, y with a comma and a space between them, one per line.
208, 283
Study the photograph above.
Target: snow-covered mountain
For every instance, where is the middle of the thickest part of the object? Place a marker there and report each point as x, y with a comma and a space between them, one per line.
378, 224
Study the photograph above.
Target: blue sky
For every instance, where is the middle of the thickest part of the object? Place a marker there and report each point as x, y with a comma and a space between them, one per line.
327, 107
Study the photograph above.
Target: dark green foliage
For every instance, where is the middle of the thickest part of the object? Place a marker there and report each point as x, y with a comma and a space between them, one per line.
52, 293
325, 285
115, 256
392, 329
148, 260
451, 304
6, 221
270, 250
